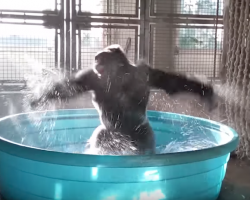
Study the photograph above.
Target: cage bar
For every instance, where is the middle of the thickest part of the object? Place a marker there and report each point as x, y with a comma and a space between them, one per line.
28, 5
99, 36
111, 8
169, 34
186, 8
192, 50
23, 53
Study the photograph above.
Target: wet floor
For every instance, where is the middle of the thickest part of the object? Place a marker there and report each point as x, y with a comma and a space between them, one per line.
236, 185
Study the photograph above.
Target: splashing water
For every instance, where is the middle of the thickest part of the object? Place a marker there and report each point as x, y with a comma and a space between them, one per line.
227, 92
189, 145
193, 137
36, 83
172, 147
190, 137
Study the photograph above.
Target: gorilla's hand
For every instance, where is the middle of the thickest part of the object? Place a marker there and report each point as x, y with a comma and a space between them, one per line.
55, 91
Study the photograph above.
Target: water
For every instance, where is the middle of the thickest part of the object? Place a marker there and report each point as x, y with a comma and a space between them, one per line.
37, 83
172, 147
57, 135
189, 145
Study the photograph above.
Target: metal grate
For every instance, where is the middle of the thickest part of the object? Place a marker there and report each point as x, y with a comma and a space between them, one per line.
29, 5
96, 39
189, 50
192, 7
127, 7
23, 49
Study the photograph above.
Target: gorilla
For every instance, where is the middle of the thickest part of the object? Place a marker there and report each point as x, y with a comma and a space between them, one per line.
120, 92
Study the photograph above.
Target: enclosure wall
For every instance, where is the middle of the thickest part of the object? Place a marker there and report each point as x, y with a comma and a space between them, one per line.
179, 35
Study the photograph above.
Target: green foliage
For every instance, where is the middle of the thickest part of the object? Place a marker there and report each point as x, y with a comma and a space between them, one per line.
90, 41
201, 7
206, 7
195, 38
192, 38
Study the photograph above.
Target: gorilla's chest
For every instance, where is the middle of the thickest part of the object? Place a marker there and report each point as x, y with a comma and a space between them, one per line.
125, 96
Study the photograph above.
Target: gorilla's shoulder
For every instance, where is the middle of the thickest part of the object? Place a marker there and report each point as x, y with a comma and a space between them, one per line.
142, 65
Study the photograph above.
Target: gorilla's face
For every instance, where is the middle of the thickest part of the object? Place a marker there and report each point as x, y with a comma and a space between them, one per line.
109, 61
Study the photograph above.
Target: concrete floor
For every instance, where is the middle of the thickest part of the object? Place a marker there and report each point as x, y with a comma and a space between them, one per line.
236, 185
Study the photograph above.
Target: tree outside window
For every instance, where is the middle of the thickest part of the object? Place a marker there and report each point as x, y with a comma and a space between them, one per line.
196, 38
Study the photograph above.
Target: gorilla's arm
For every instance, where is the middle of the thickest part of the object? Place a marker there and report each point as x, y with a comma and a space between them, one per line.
174, 83
68, 88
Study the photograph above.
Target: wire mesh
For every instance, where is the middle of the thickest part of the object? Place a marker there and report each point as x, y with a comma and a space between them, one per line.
237, 68
23, 49
193, 7
28, 5
96, 39
187, 50
127, 7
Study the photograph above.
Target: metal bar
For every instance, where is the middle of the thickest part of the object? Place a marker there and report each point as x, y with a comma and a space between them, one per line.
151, 46
12, 81
53, 23
117, 7
17, 51
108, 29
142, 29
67, 67
108, 6
56, 47
184, 21
72, 36
47, 12
190, 16
171, 40
215, 40
186, 26
151, 8
56, 3
88, 14
83, 27
21, 23
62, 35
79, 6
137, 8
81, 20
136, 44
147, 31
48, 21
23, 16
62, 47
79, 50
108, 14
154, 14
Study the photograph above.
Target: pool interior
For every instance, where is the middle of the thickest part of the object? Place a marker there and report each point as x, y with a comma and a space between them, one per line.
69, 132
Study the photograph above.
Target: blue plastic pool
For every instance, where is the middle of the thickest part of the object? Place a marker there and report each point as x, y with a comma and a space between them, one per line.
34, 164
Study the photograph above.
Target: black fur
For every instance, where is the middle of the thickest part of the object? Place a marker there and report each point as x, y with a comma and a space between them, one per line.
120, 94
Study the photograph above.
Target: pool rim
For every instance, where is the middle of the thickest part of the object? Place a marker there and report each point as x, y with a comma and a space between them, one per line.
83, 160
